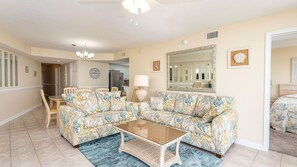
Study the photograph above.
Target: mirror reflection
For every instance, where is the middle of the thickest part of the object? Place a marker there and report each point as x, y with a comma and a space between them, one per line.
192, 70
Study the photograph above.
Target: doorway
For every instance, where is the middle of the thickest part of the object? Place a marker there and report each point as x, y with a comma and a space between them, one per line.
276, 138
51, 79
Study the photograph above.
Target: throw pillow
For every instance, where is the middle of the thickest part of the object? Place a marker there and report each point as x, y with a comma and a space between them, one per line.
169, 101
118, 104
156, 103
203, 105
86, 102
185, 104
219, 105
103, 101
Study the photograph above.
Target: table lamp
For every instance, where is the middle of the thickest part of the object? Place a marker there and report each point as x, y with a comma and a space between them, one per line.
141, 81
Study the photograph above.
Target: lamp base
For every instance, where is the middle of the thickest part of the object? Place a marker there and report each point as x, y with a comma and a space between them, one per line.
141, 93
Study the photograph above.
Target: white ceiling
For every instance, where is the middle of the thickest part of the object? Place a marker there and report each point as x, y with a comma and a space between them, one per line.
56, 24
285, 40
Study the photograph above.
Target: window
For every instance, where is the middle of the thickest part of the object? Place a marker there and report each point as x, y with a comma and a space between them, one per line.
8, 69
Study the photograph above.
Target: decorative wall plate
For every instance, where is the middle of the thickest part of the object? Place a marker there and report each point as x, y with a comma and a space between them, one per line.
94, 73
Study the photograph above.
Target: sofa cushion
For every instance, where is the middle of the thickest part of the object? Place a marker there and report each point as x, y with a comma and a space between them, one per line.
165, 117
86, 102
185, 104
150, 115
203, 105
169, 101
196, 125
156, 103
219, 105
118, 103
108, 117
172, 119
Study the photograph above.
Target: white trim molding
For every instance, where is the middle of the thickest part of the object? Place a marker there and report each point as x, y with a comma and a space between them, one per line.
267, 78
14, 89
19, 114
250, 144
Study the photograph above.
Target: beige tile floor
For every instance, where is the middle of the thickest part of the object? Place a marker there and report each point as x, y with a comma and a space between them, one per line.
25, 142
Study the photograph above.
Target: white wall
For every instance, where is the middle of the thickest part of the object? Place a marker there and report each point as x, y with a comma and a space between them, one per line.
246, 85
123, 69
281, 67
84, 80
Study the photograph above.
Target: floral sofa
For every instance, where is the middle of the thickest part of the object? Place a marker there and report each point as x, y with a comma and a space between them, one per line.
91, 115
210, 122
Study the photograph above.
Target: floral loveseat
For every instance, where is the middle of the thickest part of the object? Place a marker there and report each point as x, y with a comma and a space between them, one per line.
89, 116
211, 124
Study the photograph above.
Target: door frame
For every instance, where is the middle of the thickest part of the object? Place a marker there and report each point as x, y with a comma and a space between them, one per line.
267, 79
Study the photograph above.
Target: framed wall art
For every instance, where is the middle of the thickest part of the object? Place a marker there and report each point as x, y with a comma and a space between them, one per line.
239, 58
156, 65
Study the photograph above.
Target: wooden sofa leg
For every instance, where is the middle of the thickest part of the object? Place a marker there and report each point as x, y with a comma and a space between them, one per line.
75, 146
219, 156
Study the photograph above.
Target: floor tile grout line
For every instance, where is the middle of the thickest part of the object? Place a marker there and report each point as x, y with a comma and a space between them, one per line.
254, 159
31, 141
9, 131
46, 130
280, 164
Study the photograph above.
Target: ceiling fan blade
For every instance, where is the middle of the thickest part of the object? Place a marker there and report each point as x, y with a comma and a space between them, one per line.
99, 1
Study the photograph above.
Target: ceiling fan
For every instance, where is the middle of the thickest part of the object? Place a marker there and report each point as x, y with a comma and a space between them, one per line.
138, 6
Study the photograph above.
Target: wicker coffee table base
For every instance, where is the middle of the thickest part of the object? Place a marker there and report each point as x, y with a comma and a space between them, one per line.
151, 153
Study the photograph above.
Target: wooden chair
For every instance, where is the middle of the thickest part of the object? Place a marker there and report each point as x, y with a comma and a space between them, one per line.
114, 89
84, 90
49, 111
70, 90
102, 90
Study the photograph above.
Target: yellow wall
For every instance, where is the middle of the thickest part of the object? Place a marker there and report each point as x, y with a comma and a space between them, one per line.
14, 101
281, 68
246, 84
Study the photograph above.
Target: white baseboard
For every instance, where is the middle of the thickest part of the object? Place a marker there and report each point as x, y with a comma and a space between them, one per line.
251, 145
19, 114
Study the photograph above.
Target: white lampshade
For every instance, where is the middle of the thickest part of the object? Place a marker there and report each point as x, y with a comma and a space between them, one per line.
141, 80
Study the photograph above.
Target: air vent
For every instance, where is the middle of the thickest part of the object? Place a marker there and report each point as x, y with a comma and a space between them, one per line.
212, 35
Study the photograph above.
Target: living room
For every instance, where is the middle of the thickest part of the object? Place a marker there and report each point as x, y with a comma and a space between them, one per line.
43, 32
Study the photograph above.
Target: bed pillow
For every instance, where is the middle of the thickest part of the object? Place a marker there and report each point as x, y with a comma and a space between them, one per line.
294, 96
156, 103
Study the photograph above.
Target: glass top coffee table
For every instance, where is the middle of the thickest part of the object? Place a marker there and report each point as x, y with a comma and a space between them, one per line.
150, 142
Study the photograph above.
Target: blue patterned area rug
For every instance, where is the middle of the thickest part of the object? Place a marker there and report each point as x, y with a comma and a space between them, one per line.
104, 153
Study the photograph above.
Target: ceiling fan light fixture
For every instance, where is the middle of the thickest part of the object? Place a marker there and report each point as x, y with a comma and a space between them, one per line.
133, 6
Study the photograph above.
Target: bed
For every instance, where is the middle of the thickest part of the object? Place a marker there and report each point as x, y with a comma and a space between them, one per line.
283, 114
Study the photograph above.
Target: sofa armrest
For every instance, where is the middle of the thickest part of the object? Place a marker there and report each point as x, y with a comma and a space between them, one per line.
71, 119
131, 106
224, 131
144, 106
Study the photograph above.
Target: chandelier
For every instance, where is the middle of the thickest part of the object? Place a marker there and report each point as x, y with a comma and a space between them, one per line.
134, 6
84, 54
